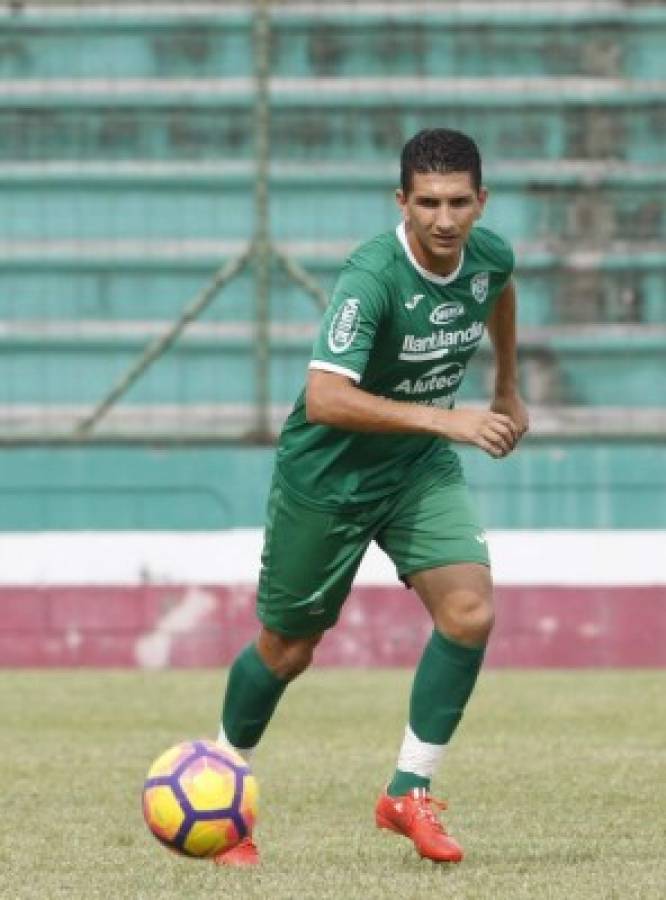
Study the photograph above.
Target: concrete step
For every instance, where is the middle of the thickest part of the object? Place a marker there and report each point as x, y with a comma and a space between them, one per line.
214, 423
619, 365
333, 118
433, 39
134, 280
579, 202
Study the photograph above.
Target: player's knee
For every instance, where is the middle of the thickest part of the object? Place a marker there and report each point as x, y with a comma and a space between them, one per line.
297, 658
287, 657
481, 623
469, 619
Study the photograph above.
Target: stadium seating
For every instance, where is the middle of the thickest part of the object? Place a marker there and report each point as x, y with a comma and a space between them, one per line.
125, 281
126, 178
183, 119
583, 37
583, 203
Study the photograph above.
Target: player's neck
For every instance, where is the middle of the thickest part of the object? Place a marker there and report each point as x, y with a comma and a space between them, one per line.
439, 267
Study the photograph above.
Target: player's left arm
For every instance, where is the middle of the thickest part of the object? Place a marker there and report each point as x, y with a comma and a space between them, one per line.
502, 331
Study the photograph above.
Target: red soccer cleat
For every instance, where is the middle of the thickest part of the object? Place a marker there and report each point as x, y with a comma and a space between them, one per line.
414, 816
242, 855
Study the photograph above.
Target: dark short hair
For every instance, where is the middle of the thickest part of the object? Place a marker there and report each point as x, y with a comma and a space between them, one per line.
439, 150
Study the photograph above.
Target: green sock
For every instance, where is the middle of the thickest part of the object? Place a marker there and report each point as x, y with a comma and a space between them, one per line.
252, 694
443, 682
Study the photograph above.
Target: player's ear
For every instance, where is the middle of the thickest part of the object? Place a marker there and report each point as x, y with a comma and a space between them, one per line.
401, 200
482, 197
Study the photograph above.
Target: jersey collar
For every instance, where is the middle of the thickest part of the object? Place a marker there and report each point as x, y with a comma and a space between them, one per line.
430, 276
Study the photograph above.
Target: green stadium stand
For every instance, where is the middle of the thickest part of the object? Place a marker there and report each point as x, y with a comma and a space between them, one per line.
586, 202
619, 366
94, 280
527, 39
543, 118
126, 144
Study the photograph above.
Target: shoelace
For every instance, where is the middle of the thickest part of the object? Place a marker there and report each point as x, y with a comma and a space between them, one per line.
427, 809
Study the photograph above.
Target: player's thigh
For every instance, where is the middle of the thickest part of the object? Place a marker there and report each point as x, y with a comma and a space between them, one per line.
437, 525
308, 563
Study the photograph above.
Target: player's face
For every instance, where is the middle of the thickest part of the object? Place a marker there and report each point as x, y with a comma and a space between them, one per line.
439, 212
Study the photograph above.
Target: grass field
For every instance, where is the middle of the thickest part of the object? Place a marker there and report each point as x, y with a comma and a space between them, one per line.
557, 784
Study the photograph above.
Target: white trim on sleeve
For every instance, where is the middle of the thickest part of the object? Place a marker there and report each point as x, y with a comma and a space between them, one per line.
331, 367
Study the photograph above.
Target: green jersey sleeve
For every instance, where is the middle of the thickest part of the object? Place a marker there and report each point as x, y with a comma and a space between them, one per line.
508, 262
350, 324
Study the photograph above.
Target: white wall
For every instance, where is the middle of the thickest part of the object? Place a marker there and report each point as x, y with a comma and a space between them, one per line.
232, 557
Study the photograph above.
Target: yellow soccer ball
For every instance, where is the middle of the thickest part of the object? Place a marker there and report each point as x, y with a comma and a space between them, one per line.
200, 798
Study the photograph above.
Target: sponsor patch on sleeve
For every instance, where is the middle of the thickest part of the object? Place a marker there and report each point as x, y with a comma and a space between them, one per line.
344, 326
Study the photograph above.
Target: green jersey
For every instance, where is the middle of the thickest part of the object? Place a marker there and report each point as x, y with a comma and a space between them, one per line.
400, 332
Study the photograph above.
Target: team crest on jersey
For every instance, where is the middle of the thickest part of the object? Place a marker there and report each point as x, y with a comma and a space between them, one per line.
344, 326
479, 286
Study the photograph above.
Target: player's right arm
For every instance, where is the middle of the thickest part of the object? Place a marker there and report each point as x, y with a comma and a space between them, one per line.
335, 400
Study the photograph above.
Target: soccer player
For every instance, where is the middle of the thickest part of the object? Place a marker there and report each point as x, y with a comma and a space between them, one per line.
366, 455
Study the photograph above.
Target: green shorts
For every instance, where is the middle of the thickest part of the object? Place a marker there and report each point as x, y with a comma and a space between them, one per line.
310, 556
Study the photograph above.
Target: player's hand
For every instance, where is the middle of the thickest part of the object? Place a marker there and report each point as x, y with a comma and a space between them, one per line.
511, 405
493, 432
